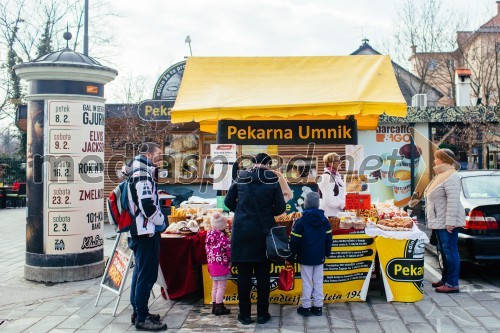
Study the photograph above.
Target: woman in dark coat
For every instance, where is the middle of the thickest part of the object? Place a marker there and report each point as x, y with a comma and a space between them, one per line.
256, 198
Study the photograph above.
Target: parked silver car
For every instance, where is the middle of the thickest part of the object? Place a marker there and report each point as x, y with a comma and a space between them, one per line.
479, 240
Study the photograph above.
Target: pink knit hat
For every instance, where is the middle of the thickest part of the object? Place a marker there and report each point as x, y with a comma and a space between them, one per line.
219, 221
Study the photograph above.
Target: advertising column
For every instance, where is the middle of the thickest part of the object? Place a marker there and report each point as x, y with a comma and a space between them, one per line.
74, 178
65, 166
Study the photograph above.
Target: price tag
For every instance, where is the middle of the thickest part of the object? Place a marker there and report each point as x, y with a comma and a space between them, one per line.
357, 201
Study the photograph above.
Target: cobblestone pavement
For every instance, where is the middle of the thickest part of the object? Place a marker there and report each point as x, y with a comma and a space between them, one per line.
69, 307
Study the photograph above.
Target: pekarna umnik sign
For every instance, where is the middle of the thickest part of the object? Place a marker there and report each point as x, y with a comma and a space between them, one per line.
155, 110
287, 132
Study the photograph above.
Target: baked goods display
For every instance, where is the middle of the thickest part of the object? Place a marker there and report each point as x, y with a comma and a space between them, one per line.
287, 217
352, 222
191, 220
388, 211
396, 224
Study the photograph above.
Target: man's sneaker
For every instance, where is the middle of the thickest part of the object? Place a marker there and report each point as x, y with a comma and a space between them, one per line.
154, 317
317, 310
306, 312
150, 325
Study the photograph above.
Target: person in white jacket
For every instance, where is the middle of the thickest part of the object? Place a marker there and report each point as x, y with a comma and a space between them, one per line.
331, 186
445, 214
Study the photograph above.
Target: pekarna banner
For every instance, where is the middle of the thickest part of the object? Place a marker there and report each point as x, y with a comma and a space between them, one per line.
287, 132
155, 110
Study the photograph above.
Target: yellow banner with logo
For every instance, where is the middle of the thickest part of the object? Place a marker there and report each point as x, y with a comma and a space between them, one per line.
402, 266
346, 277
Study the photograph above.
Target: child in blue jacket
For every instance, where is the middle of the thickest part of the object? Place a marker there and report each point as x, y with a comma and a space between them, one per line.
310, 243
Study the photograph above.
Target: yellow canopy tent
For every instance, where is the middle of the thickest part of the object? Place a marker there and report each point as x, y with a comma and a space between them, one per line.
292, 88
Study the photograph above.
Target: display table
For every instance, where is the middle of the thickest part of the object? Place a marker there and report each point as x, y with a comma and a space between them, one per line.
401, 255
179, 259
347, 273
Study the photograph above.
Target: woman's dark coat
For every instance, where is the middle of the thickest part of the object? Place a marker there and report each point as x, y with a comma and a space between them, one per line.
255, 198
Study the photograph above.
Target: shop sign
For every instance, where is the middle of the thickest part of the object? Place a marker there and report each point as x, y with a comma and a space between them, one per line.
118, 265
287, 132
169, 82
155, 110
402, 263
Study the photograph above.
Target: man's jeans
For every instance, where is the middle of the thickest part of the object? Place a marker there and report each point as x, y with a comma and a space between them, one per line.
448, 244
146, 257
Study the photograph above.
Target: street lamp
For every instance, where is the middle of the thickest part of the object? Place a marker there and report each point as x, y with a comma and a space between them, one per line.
188, 40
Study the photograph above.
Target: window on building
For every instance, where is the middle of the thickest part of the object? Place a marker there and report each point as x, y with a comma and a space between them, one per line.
181, 156
433, 64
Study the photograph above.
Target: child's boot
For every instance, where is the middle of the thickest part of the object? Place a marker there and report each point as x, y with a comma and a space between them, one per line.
221, 310
213, 307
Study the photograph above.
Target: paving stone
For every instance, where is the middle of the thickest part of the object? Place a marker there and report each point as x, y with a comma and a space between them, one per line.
46, 324
290, 317
274, 310
393, 326
361, 312
341, 319
112, 328
385, 312
13, 314
410, 313
472, 306
491, 323
261, 329
481, 296
442, 299
421, 328
317, 322
74, 321
474, 330
444, 324
368, 327
19, 325
292, 329
461, 317
99, 321
492, 306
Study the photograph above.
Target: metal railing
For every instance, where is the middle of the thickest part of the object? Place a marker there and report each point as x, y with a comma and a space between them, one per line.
14, 170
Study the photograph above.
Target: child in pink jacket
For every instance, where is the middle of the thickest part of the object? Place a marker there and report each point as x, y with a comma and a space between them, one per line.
218, 249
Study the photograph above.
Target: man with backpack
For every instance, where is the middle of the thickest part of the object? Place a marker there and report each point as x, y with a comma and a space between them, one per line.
145, 231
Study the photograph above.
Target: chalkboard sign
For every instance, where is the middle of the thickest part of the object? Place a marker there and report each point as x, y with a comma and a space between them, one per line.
118, 265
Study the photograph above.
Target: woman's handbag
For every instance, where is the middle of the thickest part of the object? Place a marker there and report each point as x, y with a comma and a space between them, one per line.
277, 247
286, 279
433, 239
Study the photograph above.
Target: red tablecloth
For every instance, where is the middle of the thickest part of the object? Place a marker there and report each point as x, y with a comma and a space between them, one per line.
178, 260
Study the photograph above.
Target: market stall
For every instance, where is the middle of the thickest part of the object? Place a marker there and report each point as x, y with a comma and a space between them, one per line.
293, 102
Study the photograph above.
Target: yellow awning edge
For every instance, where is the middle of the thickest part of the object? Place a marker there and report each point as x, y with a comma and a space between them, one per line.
302, 88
